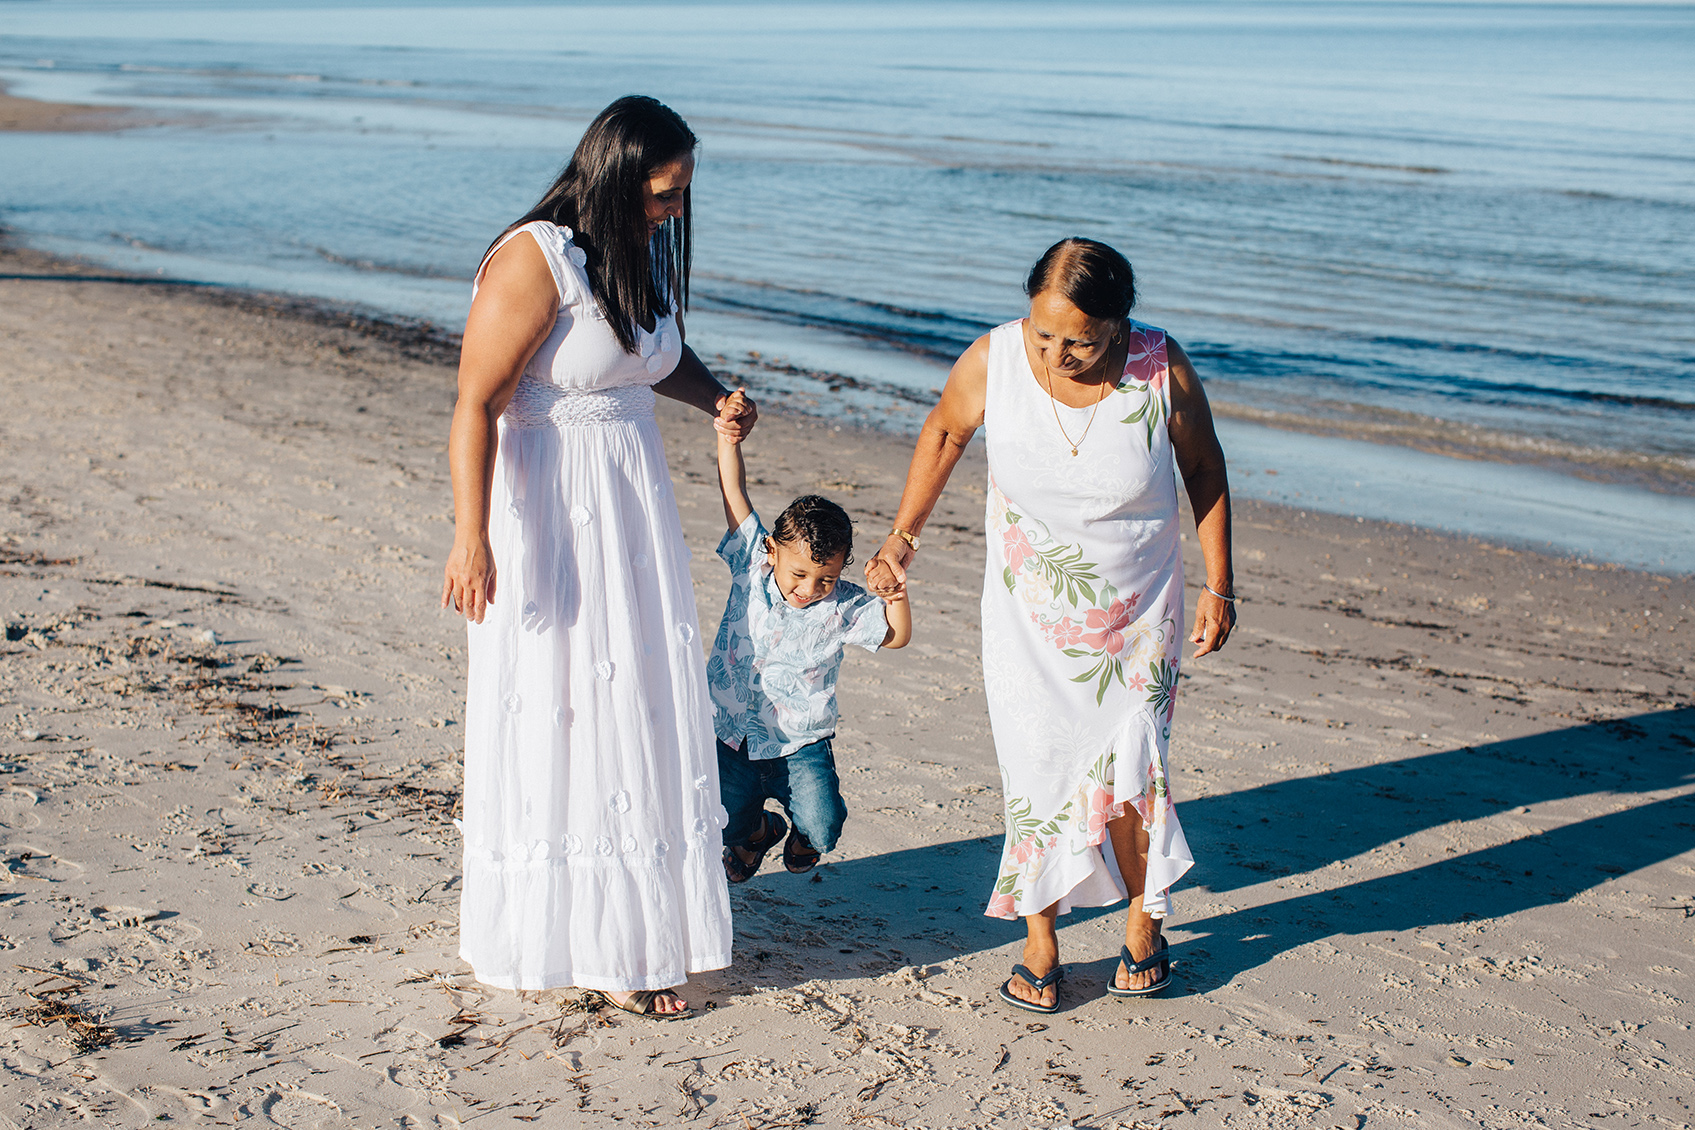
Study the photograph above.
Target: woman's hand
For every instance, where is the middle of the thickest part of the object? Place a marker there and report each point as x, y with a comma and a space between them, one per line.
1214, 619
469, 584
736, 415
885, 573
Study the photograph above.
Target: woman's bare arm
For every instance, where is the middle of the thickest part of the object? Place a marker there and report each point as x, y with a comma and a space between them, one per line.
947, 431
1201, 460
693, 384
511, 316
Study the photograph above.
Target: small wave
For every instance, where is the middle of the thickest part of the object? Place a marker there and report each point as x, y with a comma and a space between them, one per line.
1431, 170
390, 268
1666, 474
1375, 372
936, 334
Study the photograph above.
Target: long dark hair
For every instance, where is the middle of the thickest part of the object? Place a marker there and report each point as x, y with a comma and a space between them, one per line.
1089, 274
599, 197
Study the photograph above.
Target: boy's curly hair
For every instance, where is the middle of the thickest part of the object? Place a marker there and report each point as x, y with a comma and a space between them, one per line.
821, 524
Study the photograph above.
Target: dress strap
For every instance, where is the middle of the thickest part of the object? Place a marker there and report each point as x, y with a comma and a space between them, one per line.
554, 242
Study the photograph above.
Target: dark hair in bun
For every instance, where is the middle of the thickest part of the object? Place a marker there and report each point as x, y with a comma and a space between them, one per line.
1089, 274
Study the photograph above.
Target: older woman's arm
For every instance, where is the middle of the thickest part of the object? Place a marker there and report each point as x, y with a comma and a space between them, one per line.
1201, 460
947, 431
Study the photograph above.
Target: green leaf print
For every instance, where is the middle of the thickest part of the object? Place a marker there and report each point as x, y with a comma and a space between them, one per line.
1162, 691
1151, 414
1103, 674
1020, 820
1011, 581
1064, 568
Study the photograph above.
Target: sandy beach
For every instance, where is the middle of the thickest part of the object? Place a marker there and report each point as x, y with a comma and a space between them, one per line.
1439, 792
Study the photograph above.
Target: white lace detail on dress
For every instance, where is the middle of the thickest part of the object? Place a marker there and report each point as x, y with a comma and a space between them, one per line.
535, 404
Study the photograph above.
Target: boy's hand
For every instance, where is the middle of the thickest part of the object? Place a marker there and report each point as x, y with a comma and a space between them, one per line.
881, 579
736, 416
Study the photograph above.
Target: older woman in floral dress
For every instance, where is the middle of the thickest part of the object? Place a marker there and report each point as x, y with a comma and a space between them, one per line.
1088, 415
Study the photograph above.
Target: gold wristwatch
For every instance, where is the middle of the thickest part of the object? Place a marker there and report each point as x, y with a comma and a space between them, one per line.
909, 539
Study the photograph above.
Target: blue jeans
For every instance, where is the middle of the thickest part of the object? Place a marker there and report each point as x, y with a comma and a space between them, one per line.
804, 783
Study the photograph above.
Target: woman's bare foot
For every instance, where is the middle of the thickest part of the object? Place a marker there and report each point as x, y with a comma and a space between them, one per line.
665, 1001
1142, 938
1041, 956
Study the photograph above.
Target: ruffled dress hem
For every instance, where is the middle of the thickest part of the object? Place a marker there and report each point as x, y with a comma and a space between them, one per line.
1074, 871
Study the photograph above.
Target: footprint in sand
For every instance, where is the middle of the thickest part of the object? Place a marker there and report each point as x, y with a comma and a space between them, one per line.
124, 915
15, 805
195, 1102
26, 862
296, 1109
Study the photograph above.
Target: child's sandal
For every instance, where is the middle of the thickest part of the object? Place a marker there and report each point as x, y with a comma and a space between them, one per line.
739, 871
800, 862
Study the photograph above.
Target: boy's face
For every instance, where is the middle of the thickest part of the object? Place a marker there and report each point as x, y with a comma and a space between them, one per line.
800, 579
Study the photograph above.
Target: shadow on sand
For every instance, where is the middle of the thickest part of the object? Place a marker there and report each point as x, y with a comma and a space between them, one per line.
925, 905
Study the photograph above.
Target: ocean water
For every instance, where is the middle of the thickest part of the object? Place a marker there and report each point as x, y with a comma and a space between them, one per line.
1467, 224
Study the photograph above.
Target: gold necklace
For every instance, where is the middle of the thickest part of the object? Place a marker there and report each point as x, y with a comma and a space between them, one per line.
1053, 402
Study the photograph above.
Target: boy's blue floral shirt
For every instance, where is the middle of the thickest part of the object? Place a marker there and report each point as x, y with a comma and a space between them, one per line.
773, 667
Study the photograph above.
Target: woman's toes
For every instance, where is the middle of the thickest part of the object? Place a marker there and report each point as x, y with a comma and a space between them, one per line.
1025, 991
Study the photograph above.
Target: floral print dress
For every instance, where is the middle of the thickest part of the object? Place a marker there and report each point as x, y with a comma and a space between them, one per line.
1082, 626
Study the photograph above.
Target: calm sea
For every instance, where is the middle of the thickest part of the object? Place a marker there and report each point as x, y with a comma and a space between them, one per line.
1460, 227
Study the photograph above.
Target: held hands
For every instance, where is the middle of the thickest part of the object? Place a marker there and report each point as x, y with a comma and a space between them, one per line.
469, 584
736, 416
885, 574
1214, 619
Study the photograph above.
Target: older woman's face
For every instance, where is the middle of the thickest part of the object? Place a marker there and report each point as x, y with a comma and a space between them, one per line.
1067, 340
662, 195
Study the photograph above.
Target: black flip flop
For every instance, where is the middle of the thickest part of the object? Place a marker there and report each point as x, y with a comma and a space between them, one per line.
1161, 956
739, 872
1054, 977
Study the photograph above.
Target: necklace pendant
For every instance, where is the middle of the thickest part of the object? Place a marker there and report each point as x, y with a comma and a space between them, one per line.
1074, 451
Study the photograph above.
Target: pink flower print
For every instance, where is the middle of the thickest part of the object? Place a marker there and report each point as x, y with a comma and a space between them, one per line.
1138, 682
1107, 626
1001, 906
1027, 849
1018, 549
1146, 359
1067, 633
1100, 811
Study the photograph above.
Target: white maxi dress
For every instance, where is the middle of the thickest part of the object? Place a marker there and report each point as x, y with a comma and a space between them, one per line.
1082, 628
592, 817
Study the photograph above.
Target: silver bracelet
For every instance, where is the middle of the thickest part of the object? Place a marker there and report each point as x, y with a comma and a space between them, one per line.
1219, 595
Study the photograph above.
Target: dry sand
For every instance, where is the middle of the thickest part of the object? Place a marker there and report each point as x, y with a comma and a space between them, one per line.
1440, 793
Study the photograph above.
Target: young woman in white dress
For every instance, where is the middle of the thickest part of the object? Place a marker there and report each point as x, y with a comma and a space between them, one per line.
591, 815
1088, 416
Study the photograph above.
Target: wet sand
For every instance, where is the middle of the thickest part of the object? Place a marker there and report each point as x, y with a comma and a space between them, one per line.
27, 115
1440, 794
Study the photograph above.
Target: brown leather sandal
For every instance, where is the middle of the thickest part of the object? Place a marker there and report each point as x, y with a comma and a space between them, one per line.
641, 1004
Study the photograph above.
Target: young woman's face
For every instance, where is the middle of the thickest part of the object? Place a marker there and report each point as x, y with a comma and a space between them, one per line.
1068, 341
662, 195
800, 579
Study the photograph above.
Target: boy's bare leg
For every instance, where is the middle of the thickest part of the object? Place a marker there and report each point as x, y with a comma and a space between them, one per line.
1141, 930
1041, 956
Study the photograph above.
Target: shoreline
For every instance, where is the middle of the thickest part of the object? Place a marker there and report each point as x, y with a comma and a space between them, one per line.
895, 411
898, 409
30, 115
1437, 791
